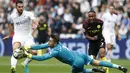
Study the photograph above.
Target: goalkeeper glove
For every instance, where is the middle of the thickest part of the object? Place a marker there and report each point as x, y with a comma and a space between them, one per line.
27, 47
28, 54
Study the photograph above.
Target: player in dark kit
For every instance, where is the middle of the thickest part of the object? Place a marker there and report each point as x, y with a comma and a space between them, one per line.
43, 30
93, 32
43, 33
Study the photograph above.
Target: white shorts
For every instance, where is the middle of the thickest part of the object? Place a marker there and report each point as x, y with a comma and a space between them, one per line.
25, 40
109, 38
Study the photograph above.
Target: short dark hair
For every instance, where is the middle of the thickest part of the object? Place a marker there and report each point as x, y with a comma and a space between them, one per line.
92, 11
19, 1
55, 37
112, 6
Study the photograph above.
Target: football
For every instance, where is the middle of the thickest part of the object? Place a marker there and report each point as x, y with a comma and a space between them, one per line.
18, 53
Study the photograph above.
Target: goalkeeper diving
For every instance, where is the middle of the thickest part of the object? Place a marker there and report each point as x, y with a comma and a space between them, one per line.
75, 59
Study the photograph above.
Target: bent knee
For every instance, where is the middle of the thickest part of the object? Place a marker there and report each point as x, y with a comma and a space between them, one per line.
102, 52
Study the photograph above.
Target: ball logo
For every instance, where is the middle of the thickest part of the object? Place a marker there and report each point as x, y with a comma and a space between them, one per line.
1, 47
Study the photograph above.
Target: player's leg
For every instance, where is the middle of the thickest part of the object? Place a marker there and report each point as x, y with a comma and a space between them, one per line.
103, 58
110, 44
93, 50
102, 50
79, 70
28, 41
108, 64
27, 61
16, 45
109, 52
108, 39
102, 53
78, 64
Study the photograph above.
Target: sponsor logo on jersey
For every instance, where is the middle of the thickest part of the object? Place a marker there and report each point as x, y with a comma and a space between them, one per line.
98, 26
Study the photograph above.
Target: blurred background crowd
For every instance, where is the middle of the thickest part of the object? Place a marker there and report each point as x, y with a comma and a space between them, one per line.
66, 16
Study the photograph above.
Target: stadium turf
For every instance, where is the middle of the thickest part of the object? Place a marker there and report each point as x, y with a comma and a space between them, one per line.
50, 66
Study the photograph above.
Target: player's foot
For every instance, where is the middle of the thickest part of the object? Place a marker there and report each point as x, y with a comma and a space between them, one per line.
106, 69
101, 70
26, 70
13, 70
123, 69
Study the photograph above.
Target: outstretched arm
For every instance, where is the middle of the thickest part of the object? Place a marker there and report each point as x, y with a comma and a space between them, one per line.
45, 56
37, 46
40, 46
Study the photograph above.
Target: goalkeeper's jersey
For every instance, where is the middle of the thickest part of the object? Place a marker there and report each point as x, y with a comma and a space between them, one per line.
62, 53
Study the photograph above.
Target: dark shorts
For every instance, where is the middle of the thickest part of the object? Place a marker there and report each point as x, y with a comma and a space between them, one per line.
42, 39
94, 46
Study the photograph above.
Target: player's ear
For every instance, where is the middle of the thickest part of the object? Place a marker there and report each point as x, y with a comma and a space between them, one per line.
56, 43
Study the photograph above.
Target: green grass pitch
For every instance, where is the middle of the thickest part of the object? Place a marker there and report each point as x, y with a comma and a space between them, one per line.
51, 66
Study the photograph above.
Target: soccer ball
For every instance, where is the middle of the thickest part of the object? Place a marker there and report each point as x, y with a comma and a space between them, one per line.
18, 53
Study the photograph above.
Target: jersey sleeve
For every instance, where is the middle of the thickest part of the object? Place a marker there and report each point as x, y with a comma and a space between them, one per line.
85, 26
10, 20
41, 46
31, 15
46, 56
103, 17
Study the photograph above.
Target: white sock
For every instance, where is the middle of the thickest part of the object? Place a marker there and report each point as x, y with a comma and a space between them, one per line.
13, 61
27, 61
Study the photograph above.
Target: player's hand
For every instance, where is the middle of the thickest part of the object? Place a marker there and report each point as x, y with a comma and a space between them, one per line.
28, 54
95, 37
34, 27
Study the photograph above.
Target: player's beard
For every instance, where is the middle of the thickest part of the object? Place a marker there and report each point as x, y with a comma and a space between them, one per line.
20, 12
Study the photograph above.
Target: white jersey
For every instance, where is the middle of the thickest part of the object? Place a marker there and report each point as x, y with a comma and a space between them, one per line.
22, 27
23, 23
110, 20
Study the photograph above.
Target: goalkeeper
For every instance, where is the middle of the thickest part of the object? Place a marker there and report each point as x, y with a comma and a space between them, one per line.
75, 59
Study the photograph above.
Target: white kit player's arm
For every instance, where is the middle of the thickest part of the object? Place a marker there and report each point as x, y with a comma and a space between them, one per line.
103, 17
117, 24
34, 22
34, 26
